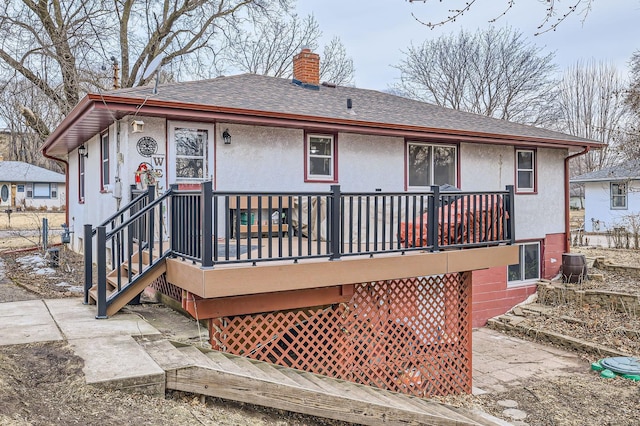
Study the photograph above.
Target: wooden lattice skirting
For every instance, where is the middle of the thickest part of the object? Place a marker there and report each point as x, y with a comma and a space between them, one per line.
406, 335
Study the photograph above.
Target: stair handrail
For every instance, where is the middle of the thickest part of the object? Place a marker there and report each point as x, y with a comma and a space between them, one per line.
89, 234
140, 213
122, 259
125, 208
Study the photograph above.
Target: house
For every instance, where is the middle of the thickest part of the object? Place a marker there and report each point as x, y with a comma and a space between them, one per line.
24, 186
290, 209
576, 196
611, 196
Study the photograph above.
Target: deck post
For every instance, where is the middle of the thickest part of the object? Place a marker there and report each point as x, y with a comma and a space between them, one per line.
102, 272
432, 219
172, 220
88, 261
151, 196
206, 215
334, 223
511, 209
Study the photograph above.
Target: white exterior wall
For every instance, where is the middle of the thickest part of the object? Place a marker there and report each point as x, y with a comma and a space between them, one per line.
272, 159
99, 205
598, 215
492, 167
39, 203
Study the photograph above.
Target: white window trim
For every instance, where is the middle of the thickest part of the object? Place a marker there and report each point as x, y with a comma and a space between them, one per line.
432, 168
207, 173
332, 158
520, 283
625, 196
534, 160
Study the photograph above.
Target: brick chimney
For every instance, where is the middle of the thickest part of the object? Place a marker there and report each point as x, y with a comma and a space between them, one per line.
306, 68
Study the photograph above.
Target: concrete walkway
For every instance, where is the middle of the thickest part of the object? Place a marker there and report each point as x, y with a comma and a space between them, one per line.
501, 361
113, 358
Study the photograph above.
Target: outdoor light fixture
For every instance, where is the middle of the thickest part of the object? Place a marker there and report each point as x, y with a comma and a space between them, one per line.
226, 136
82, 150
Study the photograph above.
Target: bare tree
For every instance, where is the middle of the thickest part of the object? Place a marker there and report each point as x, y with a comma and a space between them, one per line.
335, 66
633, 94
19, 98
554, 12
269, 47
59, 46
591, 101
493, 72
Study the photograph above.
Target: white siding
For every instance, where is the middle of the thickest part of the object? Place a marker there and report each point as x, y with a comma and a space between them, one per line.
598, 215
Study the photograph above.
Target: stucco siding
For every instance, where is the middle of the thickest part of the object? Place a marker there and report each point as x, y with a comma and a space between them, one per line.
486, 167
492, 167
261, 159
543, 213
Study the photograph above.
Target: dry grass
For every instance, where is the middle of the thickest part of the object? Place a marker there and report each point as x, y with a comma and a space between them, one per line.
24, 229
30, 220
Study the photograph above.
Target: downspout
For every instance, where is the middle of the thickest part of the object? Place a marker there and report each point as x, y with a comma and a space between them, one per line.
567, 230
66, 183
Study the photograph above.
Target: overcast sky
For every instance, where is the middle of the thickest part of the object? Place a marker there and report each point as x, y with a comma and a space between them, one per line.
376, 31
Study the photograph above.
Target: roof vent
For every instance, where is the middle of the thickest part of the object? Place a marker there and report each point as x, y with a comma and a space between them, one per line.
349, 103
327, 84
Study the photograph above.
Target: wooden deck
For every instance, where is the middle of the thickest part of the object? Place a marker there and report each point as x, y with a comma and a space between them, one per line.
235, 378
292, 272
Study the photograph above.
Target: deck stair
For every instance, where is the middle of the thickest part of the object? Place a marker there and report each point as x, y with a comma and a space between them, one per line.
129, 289
231, 377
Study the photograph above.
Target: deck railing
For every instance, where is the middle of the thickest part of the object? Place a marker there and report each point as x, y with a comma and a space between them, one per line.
221, 227
225, 227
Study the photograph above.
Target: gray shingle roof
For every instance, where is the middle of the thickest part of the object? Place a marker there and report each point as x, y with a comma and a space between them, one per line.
628, 170
18, 171
277, 95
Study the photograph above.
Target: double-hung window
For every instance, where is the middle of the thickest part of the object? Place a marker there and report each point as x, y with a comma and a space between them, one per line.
321, 158
528, 268
618, 196
104, 152
525, 170
429, 164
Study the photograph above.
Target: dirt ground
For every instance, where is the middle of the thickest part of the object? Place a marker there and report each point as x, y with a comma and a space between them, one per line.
42, 384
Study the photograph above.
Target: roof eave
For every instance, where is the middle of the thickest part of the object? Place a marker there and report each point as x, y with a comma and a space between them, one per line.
177, 110
604, 179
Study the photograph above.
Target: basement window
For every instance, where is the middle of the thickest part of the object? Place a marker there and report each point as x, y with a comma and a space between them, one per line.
527, 270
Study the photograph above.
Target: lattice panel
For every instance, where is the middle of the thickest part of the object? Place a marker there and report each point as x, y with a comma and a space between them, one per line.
160, 284
409, 335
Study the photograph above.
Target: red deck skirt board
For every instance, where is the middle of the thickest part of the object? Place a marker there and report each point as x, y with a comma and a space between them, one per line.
492, 297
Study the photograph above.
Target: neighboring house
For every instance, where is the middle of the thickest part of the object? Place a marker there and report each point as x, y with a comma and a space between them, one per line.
611, 196
338, 267
576, 196
25, 186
